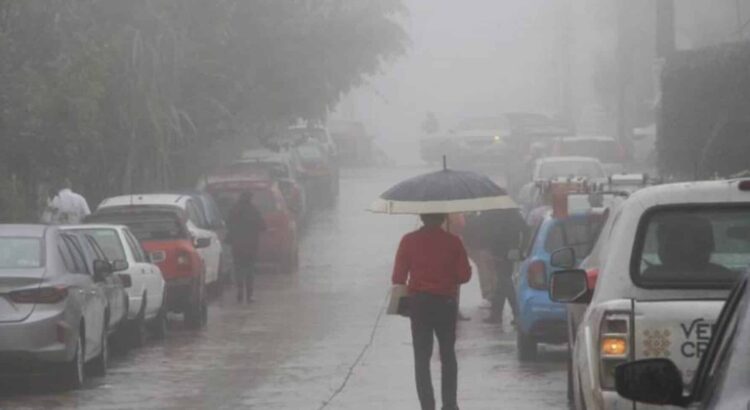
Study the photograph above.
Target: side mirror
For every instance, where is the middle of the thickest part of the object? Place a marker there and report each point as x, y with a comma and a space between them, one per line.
569, 286
514, 255
201, 243
127, 281
102, 269
654, 381
120, 265
564, 258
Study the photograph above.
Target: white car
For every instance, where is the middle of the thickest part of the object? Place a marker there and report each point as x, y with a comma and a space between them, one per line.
569, 167
211, 254
675, 251
146, 293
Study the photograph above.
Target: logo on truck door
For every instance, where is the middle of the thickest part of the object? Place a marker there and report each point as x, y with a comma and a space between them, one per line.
656, 343
697, 336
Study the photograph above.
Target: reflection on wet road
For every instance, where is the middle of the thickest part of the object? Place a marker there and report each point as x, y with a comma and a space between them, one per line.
294, 347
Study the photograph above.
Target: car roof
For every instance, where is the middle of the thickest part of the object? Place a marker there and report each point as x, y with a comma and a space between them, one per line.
700, 192
23, 230
92, 226
547, 160
175, 200
581, 138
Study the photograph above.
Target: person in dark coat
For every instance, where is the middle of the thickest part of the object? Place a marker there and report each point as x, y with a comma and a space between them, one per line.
245, 226
501, 231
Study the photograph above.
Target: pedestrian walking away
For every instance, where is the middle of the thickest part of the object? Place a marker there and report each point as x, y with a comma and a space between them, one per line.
66, 207
433, 264
245, 226
504, 230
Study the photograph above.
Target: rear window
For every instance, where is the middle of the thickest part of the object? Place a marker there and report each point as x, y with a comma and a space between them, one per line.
579, 234
692, 247
586, 169
310, 154
262, 169
605, 151
262, 198
109, 242
146, 226
20, 253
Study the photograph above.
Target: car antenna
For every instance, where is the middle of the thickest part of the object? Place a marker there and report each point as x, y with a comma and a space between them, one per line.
445, 163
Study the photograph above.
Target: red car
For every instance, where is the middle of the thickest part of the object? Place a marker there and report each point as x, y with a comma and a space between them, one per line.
165, 237
278, 243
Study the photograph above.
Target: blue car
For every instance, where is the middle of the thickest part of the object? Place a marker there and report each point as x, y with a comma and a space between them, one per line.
540, 320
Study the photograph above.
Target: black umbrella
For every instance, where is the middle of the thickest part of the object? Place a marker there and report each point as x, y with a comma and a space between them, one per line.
445, 191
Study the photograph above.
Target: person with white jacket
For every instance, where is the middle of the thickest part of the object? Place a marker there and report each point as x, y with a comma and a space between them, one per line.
66, 207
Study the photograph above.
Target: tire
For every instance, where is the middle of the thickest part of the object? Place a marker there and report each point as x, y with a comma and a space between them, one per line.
136, 332
196, 314
73, 372
527, 346
99, 365
159, 324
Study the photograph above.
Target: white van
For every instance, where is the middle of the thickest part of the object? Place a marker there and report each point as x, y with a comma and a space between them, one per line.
675, 252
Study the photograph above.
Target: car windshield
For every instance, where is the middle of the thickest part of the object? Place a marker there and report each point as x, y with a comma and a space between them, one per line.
262, 198
20, 253
489, 123
577, 233
556, 169
604, 150
108, 240
146, 226
701, 245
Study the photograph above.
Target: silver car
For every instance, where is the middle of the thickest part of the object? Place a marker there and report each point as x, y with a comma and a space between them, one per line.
53, 307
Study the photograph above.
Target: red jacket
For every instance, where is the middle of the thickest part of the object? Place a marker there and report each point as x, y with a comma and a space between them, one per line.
431, 261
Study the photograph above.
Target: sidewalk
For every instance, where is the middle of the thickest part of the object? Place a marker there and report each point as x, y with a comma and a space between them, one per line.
490, 376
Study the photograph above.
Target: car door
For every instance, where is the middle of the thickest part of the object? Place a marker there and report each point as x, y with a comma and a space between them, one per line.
211, 254
150, 274
113, 288
94, 298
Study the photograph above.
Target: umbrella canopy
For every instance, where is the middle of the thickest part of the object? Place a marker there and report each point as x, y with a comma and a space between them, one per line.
445, 191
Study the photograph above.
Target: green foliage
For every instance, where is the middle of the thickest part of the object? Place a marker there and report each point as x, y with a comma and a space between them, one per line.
126, 96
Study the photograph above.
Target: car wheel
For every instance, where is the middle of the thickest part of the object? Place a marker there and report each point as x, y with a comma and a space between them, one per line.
159, 324
100, 363
72, 372
195, 314
137, 328
526, 346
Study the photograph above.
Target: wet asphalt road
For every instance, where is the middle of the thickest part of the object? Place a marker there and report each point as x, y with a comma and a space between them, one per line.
316, 339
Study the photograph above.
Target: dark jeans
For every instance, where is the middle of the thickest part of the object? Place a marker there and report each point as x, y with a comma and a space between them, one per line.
245, 278
432, 316
504, 290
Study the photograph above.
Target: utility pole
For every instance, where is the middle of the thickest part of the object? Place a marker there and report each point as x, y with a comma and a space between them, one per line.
665, 28
623, 70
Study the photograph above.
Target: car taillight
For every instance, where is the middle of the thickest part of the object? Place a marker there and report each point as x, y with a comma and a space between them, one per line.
592, 275
537, 275
183, 260
47, 295
614, 346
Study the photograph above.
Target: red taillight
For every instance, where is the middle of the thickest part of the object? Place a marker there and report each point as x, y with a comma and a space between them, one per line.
50, 295
744, 185
184, 261
537, 275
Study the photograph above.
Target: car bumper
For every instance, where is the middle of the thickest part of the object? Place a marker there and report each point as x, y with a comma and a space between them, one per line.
542, 318
45, 337
182, 293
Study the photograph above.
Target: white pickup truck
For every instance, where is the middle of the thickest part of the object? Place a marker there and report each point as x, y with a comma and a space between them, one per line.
675, 252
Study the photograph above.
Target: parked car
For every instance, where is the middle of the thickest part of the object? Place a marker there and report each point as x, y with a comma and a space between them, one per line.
607, 150
147, 290
165, 236
53, 305
676, 251
278, 243
188, 210
539, 319
315, 133
318, 175
564, 167
213, 221
721, 381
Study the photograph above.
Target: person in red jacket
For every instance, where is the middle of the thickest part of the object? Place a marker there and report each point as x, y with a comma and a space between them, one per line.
433, 264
